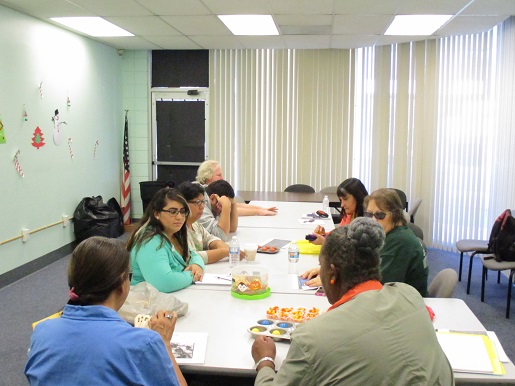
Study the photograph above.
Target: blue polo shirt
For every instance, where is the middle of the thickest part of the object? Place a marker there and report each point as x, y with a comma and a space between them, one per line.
92, 345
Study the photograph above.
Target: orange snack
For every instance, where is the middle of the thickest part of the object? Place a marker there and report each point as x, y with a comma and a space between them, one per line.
284, 316
286, 309
297, 318
314, 310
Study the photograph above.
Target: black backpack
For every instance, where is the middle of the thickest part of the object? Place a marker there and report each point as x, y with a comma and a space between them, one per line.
502, 237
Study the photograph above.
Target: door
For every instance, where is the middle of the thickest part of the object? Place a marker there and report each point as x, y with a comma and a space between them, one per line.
179, 132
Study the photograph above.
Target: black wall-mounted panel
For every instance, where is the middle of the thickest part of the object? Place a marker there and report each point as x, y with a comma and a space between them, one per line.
180, 68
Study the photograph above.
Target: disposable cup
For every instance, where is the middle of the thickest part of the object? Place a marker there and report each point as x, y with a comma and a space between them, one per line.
250, 251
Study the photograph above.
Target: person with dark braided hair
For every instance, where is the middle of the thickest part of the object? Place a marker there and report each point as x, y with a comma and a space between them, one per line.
372, 334
90, 344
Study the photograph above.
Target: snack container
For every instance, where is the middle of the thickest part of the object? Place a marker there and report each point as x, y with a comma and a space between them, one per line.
249, 282
290, 314
275, 329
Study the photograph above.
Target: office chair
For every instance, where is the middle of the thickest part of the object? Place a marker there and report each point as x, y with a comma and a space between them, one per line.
329, 189
474, 246
299, 188
416, 229
443, 284
413, 209
489, 263
403, 198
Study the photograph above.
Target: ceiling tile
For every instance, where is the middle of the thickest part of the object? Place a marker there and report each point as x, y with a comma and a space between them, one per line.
490, 7
236, 7
276, 42
366, 7
303, 19
144, 25
307, 41
368, 25
113, 7
173, 42
463, 25
198, 25
175, 7
213, 42
304, 7
128, 43
350, 41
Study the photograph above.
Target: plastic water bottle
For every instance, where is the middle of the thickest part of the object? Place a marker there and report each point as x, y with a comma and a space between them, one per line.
325, 204
234, 252
293, 258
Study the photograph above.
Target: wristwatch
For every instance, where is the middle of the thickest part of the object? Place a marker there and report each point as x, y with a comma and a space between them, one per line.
270, 359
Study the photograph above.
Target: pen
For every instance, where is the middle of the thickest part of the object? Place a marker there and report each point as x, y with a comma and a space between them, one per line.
223, 278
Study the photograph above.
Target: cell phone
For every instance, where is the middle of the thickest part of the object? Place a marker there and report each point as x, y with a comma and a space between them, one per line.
311, 237
322, 214
320, 292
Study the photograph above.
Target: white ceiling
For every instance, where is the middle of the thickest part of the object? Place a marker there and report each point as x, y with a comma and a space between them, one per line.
315, 24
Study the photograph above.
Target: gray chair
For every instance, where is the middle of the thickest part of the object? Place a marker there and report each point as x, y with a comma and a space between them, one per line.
443, 284
416, 229
329, 189
474, 246
299, 188
413, 209
489, 263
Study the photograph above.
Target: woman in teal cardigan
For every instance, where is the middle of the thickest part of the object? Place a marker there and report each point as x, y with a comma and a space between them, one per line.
159, 245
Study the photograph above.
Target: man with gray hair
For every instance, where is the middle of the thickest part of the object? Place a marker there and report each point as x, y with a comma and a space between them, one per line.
210, 171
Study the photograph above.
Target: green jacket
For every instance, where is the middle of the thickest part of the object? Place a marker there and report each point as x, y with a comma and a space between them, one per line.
403, 259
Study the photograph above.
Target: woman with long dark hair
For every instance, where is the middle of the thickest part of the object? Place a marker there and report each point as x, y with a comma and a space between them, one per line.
159, 245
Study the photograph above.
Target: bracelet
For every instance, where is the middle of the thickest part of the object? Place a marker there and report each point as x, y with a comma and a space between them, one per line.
265, 359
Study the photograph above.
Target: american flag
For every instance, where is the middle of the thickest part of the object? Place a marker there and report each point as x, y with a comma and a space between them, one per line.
126, 178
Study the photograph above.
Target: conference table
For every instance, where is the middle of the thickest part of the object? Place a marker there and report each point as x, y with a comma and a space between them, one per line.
227, 320
317, 197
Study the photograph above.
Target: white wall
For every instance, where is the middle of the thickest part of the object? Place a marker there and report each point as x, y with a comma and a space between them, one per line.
90, 74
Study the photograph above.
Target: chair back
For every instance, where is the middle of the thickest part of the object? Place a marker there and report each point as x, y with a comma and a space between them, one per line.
299, 188
443, 284
413, 209
329, 189
416, 229
403, 198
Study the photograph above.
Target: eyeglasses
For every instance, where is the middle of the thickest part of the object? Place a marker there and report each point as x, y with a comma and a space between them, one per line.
378, 215
199, 203
175, 211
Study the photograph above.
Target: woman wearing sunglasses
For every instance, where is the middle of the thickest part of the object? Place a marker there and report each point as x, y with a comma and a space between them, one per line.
402, 257
159, 245
208, 246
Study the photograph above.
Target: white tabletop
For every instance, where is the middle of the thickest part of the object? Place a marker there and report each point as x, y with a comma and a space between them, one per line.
226, 320
287, 216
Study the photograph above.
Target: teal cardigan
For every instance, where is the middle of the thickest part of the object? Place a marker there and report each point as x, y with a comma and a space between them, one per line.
163, 267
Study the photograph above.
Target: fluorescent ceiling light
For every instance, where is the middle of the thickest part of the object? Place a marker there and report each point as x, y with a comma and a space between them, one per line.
416, 24
92, 26
250, 24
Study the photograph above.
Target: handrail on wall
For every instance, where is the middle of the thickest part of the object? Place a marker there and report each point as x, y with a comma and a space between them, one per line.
36, 230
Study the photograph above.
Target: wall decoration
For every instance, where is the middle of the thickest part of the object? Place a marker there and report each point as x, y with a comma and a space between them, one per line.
97, 142
17, 164
70, 147
68, 102
58, 137
41, 89
2, 134
25, 115
38, 140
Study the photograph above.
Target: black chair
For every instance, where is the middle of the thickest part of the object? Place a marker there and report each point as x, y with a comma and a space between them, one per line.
299, 188
403, 198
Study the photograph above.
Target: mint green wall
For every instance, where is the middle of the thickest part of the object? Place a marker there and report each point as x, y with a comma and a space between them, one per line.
89, 73
136, 100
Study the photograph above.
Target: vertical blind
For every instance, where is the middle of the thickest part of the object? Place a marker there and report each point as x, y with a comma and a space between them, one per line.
433, 118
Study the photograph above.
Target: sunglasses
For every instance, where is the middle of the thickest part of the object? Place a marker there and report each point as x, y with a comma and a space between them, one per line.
378, 215
130, 276
175, 211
